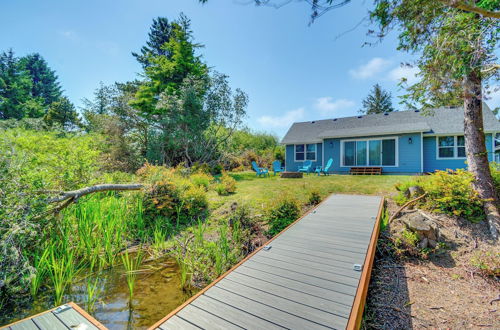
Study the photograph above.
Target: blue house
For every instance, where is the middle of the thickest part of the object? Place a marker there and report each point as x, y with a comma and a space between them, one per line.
402, 142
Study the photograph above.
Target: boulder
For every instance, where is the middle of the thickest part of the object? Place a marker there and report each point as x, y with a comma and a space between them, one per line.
426, 229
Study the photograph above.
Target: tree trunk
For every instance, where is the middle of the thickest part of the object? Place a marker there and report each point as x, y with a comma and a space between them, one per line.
475, 146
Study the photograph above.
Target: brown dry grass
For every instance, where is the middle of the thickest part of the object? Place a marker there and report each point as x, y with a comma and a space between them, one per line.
443, 291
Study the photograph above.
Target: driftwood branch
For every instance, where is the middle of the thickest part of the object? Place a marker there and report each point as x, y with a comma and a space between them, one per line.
405, 205
75, 194
65, 198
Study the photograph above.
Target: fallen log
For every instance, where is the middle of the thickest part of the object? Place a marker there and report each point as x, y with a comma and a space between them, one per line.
65, 198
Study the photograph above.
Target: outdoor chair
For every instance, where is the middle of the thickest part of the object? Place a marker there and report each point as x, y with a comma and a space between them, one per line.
306, 167
277, 168
259, 171
325, 170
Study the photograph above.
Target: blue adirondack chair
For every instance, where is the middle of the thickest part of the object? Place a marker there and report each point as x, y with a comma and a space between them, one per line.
306, 167
259, 170
277, 167
325, 170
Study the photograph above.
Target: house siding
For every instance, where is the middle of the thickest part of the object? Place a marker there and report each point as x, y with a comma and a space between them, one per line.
431, 163
292, 166
409, 154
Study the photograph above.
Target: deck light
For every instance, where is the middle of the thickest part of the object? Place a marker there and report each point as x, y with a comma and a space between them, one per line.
410, 141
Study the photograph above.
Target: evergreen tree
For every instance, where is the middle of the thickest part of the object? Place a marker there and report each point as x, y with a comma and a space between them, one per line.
44, 80
62, 112
378, 101
15, 86
159, 35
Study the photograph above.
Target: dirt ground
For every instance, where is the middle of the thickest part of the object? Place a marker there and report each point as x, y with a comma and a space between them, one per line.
442, 291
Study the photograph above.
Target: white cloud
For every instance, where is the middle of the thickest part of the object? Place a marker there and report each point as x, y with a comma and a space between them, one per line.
327, 106
370, 69
68, 34
282, 121
404, 71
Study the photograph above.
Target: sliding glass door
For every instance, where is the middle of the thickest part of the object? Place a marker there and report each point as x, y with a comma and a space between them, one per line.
369, 152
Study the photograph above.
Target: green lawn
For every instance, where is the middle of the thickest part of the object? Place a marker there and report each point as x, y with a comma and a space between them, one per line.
259, 191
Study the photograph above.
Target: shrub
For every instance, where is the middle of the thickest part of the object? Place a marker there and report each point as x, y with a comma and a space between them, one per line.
452, 193
226, 186
201, 180
176, 200
282, 212
448, 192
195, 202
409, 237
487, 262
151, 173
314, 197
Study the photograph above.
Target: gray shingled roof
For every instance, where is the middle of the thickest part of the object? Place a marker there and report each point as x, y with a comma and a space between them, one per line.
438, 121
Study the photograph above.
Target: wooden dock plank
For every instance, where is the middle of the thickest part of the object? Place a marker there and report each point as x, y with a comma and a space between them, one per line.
27, 325
262, 310
176, 323
341, 300
240, 317
305, 279
204, 319
310, 268
49, 321
303, 297
73, 319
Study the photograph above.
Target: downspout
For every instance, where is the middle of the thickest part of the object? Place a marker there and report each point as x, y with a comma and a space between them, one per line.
421, 152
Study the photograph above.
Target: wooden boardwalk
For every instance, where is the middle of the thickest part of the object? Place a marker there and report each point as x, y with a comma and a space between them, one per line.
313, 275
65, 317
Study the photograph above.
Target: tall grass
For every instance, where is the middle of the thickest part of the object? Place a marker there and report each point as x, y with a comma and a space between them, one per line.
131, 265
62, 269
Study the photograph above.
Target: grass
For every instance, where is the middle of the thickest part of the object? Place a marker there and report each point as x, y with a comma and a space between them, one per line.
258, 191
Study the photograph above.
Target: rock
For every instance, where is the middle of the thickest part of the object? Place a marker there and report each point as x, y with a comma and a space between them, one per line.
421, 225
432, 243
423, 243
415, 191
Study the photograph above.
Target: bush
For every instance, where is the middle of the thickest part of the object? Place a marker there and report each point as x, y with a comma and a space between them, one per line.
195, 202
201, 180
178, 201
282, 212
452, 193
314, 197
226, 186
448, 192
487, 263
151, 173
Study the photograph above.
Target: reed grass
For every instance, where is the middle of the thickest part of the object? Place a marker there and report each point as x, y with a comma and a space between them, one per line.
131, 265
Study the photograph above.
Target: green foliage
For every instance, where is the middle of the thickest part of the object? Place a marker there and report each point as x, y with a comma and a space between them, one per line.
131, 265
452, 42
314, 197
487, 262
282, 212
44, 80
62, 112
201, 180
226, 186
174, 199
409, 237
448, 192
378, 101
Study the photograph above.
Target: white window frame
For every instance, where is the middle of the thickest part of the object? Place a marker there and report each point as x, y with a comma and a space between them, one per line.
368, 151
305, 152
455, 148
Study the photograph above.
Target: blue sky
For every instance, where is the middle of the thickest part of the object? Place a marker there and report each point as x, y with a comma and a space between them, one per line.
291, 71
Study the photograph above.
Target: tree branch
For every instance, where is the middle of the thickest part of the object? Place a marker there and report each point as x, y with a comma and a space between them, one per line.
463, 5
491, 67
75, 194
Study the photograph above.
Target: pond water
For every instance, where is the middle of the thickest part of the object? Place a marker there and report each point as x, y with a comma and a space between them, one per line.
157, 292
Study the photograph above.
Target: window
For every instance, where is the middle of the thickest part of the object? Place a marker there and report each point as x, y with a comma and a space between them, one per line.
451, 147
305, 152
370, 152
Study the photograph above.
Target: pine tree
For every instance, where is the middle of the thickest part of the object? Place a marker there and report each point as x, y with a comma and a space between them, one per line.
15, 86
44, 80
378, 101
62, 112
159, 35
